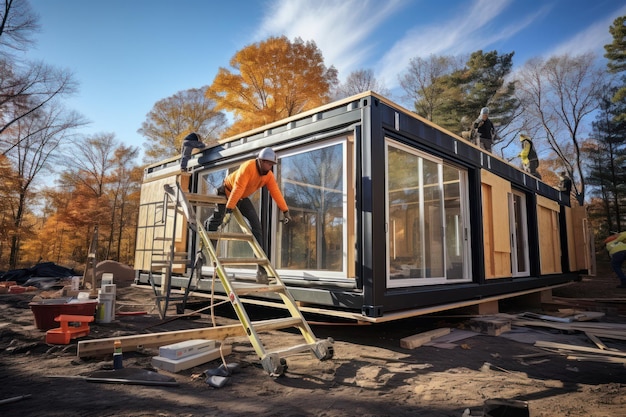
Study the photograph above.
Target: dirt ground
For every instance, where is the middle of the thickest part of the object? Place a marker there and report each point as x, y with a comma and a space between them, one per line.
369, 375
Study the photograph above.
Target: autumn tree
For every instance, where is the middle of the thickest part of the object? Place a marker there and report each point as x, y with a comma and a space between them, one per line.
359, 81
37, 140
559, 94
616, 54
272, 80
98, 189
173, 118
124, 187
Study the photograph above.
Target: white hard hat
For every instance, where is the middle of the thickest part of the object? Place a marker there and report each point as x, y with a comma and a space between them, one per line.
268, 154
484, 110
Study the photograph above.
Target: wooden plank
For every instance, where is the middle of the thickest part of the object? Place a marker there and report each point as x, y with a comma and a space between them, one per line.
595, 340
134, 342
597, 358
563, 346
419, 339
197, 199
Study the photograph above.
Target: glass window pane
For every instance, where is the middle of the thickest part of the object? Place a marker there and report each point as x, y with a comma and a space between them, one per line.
313, 186
404, 228
433, 218
454, 222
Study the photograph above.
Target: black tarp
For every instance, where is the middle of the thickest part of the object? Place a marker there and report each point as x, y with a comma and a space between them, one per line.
42, 275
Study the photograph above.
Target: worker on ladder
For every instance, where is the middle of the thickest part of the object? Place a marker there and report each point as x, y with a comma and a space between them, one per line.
238, 186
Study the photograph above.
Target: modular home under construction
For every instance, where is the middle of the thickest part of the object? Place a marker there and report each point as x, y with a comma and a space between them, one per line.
392, 216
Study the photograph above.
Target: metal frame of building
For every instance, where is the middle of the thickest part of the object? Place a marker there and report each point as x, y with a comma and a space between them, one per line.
370, 121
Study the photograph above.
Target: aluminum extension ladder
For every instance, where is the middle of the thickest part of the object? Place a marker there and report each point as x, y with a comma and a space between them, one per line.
273, 361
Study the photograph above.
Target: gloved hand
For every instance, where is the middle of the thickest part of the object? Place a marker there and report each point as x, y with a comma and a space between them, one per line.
287, 218
226, 217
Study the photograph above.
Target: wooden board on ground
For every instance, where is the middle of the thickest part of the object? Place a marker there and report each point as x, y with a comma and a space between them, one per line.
419, 339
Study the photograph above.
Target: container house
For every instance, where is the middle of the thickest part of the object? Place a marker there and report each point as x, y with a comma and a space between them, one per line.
392, 214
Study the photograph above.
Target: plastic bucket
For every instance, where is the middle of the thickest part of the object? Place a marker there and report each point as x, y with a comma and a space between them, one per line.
106, 308
107, 279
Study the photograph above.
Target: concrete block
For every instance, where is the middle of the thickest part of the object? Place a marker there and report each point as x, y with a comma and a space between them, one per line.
187, 348
177, 365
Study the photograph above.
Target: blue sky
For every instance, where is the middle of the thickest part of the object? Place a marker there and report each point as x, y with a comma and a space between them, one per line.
129, 54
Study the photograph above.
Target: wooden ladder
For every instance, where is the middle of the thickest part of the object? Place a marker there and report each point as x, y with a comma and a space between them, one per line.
273, 361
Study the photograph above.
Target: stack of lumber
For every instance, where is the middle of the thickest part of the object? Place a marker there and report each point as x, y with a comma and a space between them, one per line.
595, 331
607, 305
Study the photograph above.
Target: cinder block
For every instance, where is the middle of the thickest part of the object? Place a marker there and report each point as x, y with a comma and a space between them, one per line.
177, 365
186, 348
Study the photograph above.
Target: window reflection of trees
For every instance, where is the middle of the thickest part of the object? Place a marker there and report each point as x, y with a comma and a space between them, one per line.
417, 246
312, 183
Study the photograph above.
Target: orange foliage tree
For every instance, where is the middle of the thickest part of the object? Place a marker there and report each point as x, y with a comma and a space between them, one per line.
272, 80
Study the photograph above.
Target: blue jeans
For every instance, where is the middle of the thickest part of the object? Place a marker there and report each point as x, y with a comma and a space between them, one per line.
617, 259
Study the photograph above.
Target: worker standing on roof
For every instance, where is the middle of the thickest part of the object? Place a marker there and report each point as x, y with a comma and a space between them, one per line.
528, 155
239, 185
616, 248
192, 141
484, 131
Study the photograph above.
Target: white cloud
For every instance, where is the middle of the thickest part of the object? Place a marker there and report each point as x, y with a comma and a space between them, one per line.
591, 39
340, 29
467, 31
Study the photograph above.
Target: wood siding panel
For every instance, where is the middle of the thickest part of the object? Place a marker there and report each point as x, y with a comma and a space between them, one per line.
549, 240
496, 231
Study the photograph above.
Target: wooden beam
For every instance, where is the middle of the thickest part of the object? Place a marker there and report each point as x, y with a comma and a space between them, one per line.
134, 342
563, 346
419, 339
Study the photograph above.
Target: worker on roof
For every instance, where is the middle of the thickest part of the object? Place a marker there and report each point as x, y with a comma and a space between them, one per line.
528, 155
616, 248
241, 184
192, 141
483, 130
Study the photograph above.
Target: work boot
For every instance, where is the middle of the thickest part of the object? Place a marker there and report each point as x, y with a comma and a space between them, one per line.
261, 276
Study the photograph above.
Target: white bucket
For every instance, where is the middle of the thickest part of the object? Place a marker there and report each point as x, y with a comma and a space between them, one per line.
106, 308
107, 279
108, 289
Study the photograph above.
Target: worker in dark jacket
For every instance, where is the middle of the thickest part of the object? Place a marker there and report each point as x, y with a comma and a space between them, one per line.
239, 185
484, 131
616, 248
192, 141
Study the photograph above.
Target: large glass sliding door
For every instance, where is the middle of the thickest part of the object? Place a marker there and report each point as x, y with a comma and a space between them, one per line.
426, 220
313, 183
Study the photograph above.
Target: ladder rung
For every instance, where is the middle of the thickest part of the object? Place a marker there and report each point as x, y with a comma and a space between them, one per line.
292, 350
275, 324
200, 199
167, 263
161, 253
242, 261
230, 236
259, 289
